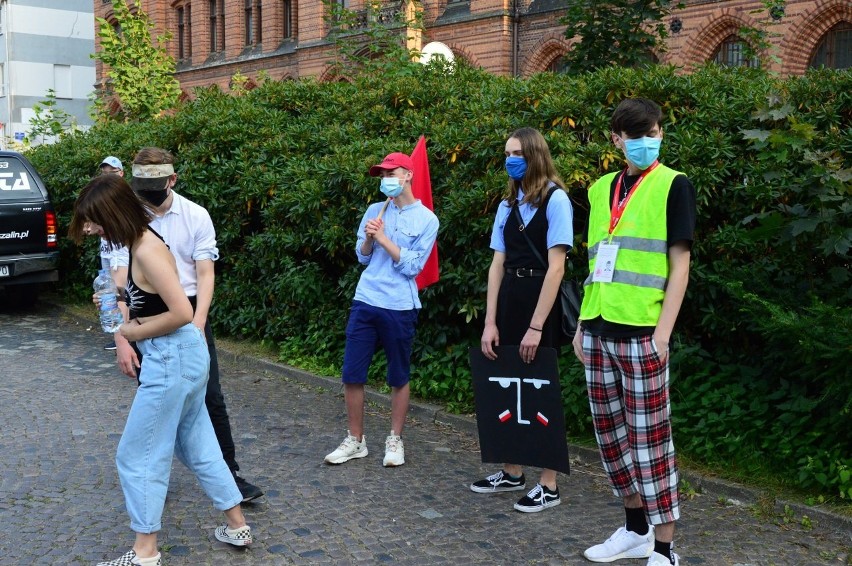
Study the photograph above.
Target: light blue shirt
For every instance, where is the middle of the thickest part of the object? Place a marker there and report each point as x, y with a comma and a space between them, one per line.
560, 220
386, 283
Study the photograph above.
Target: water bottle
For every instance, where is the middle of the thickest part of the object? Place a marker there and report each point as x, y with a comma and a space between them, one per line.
111, 317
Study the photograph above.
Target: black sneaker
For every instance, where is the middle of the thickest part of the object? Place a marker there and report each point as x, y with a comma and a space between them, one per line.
249, 491
500, 481
110, 346
538, 499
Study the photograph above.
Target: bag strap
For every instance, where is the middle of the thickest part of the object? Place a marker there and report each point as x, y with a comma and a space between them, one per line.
527, 236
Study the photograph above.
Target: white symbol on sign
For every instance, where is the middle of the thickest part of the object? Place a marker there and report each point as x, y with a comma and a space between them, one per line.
506, 382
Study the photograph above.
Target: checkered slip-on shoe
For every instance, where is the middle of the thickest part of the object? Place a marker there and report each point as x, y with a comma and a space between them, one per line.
130, 559
236, 537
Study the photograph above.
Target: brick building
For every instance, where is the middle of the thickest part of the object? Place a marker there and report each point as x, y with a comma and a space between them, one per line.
212, 40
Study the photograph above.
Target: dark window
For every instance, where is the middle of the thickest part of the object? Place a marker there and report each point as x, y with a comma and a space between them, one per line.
188, 48
288, 19
558, 65
213, 42
181, 35
835, 49
258, 23
249, 23
217, 25
732, 53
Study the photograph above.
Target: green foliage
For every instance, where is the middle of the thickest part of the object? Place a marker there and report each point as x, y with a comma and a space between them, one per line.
619, 32
140, 76
50, 120
373, 41
760, 365
757, 44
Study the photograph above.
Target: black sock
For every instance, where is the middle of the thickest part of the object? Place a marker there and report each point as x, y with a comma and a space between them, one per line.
636, 520
664, 548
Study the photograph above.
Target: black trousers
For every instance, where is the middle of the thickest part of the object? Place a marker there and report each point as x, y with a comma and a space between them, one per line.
214, 400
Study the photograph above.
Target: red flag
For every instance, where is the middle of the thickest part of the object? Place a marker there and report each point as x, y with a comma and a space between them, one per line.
421, 186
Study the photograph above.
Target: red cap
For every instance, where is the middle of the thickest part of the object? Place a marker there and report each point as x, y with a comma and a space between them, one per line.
391, 162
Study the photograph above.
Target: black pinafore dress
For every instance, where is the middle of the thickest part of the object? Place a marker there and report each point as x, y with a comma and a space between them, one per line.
518, 296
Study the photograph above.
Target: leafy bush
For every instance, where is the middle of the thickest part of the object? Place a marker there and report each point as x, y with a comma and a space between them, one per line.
762, 356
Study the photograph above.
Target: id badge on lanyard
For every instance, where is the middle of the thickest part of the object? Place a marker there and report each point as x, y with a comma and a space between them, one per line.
605, 263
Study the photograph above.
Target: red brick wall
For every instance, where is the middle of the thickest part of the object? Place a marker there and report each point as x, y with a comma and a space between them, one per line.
482, 34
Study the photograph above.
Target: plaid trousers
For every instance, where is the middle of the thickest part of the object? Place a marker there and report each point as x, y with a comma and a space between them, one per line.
628, 390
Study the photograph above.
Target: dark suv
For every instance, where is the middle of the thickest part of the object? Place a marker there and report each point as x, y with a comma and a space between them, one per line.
28, 240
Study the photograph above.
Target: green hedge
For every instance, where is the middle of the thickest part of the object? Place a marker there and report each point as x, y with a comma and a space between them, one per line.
762, 354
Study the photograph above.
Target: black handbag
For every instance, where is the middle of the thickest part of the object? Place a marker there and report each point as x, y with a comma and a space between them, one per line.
569, 292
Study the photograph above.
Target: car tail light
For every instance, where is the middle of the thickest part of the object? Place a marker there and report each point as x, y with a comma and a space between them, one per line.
50, 228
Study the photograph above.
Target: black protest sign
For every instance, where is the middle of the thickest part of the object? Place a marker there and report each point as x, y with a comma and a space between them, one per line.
519, 408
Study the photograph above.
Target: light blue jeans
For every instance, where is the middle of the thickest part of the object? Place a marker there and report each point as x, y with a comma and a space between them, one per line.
168, 418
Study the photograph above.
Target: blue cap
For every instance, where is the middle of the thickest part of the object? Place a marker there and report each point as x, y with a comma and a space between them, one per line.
113, 161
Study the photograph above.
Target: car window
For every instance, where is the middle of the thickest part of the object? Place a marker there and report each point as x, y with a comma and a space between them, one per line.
15, 181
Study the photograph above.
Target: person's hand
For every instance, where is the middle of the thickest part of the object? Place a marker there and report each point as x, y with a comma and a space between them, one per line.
130, 330
662, 344
128, 361
375, 228
529, 345
490, 338
97, 300
577, 343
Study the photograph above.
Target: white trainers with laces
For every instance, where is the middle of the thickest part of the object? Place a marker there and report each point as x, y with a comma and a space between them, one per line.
658, 559
623, 544
350, 448
394, 451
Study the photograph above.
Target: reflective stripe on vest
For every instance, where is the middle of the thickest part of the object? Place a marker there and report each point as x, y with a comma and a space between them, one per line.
635, 295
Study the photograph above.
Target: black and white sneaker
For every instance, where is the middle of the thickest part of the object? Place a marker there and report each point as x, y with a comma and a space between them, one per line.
237, 537
538, 499
498, 482
130, 559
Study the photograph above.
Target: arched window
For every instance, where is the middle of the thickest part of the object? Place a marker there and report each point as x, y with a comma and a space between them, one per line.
558, 65
835, 49
732, 53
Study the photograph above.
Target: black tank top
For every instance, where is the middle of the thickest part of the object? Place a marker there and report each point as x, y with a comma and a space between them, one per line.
139, 301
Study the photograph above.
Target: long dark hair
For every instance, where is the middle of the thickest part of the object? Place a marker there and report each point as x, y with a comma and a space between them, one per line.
540, 168
109, 201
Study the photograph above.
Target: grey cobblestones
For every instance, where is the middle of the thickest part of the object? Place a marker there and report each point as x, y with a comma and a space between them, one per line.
63, 405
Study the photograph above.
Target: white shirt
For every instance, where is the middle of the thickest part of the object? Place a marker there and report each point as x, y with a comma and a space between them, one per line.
188, 230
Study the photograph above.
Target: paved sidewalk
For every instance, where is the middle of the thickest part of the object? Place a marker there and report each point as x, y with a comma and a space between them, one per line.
63, 405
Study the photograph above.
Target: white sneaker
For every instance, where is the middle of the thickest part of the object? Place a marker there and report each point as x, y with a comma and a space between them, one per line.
658, 559
350, 448
394, 451
623, 544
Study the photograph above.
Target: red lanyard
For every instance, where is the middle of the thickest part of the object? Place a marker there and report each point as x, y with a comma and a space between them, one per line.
618, 207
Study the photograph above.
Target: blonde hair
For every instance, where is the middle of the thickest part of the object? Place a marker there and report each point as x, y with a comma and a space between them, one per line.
540, 168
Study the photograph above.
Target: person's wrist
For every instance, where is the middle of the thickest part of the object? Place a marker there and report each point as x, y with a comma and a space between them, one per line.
534, 328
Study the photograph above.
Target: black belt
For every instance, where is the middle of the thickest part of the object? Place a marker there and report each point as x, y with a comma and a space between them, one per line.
525, 272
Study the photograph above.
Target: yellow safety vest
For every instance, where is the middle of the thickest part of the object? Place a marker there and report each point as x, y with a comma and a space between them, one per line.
635, 295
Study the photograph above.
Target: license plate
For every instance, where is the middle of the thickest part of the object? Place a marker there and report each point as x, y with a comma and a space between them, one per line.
4, 271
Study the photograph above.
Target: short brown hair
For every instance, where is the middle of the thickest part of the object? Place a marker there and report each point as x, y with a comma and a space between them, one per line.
153, 156
107, 200
636, 117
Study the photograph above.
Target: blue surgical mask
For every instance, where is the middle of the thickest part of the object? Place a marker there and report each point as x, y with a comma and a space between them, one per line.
642, 152
391, 186
516, 167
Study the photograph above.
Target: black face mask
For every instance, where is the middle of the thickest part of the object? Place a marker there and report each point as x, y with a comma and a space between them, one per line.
156, 198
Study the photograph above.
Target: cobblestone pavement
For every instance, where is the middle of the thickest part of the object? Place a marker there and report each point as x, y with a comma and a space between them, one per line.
63, 405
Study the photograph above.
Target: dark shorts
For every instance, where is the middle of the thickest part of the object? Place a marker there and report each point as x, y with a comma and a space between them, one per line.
370, 328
